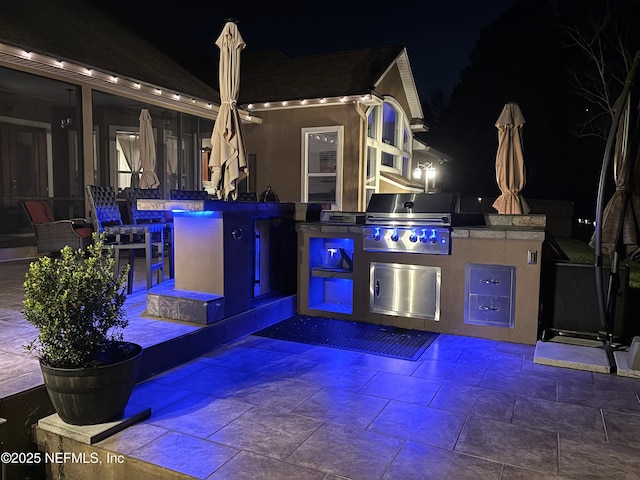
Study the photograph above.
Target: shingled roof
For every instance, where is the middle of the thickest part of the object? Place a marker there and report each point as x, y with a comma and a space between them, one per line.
83, 33
275, 76
80, 32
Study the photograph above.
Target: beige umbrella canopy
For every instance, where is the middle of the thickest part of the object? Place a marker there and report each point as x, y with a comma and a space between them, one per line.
510, 171
617, 231
148, 179
228, 161
621, 216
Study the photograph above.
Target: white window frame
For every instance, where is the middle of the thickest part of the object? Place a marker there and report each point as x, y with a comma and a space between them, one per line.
114, 154
339, 131
378, 146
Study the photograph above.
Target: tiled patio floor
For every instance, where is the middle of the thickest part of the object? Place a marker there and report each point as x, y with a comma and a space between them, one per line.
261, 408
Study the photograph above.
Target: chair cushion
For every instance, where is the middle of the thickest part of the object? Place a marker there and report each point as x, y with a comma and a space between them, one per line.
39, 211
84, 232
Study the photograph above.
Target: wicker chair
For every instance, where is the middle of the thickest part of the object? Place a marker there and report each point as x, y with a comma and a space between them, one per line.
189, 195
52, 235
247, 197
142, 217
130, 238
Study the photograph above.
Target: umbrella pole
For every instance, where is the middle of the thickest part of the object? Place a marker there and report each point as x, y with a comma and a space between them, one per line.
605, 303
604, 333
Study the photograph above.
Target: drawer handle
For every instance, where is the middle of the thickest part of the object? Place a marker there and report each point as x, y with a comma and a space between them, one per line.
377, 288
490, 282
486, 308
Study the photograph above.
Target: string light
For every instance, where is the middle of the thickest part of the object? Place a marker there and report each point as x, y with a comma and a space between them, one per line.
74, 69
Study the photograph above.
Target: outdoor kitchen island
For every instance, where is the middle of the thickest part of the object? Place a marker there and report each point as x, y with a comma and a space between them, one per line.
229, 257
486, 285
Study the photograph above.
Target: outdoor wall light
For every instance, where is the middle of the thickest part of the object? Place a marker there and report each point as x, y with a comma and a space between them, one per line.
430, 174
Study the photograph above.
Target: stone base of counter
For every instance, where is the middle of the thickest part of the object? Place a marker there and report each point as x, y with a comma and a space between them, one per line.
578, 357
164, 300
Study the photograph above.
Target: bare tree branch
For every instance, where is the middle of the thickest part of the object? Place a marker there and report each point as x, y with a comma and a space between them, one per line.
599, 69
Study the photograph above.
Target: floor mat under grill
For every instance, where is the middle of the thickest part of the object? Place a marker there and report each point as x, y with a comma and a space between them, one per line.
365, 337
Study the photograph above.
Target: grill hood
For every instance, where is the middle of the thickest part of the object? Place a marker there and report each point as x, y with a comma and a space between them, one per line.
414, 203
430, 208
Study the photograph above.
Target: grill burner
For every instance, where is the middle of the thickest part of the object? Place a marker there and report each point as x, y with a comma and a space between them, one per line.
414, 222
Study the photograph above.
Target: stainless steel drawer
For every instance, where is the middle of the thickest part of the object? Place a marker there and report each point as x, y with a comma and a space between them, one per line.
490, 279
490, 310
490, 295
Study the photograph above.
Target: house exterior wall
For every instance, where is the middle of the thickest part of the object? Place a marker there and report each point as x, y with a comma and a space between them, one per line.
277, 144
391, 85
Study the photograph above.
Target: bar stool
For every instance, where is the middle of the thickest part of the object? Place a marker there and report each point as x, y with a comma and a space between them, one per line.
145, 217
106, 218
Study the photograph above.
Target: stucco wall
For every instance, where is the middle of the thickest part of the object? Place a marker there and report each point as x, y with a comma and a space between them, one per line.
277, 144
391, 85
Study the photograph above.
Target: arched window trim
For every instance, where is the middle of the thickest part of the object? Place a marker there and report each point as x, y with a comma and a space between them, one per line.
398, 151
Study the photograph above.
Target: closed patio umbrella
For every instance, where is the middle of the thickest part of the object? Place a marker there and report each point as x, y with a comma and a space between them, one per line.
621, 216
510, 170
228, 161
148, 179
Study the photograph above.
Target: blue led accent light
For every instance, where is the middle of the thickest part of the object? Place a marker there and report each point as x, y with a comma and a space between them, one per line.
207, 213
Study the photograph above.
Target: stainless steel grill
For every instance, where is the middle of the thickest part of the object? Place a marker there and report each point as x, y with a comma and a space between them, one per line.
413, 222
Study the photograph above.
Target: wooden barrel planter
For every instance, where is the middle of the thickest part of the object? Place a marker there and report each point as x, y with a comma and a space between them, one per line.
88, 396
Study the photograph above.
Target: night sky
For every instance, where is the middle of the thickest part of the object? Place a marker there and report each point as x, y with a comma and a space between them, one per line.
439, 35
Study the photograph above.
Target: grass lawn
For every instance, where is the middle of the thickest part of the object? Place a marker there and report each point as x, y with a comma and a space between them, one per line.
579, 251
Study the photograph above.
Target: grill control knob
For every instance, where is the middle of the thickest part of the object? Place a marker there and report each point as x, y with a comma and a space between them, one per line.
394, 235
423, 237
376, 234
413, 237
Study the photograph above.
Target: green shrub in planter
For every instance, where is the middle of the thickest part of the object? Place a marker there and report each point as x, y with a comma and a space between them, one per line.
76, 302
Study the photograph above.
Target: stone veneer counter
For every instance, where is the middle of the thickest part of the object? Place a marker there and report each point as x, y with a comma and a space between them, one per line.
532, 227
211, 206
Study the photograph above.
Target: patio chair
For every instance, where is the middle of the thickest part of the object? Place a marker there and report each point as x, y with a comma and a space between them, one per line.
142, 217
247, 197
52, 235
127, 237
189, 195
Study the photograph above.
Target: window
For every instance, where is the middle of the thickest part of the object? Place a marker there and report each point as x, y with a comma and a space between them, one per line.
388, 143
322, 172
389, 125
127, 159
179, 162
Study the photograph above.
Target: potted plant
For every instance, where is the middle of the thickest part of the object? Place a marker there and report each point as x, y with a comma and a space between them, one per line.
77, 304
